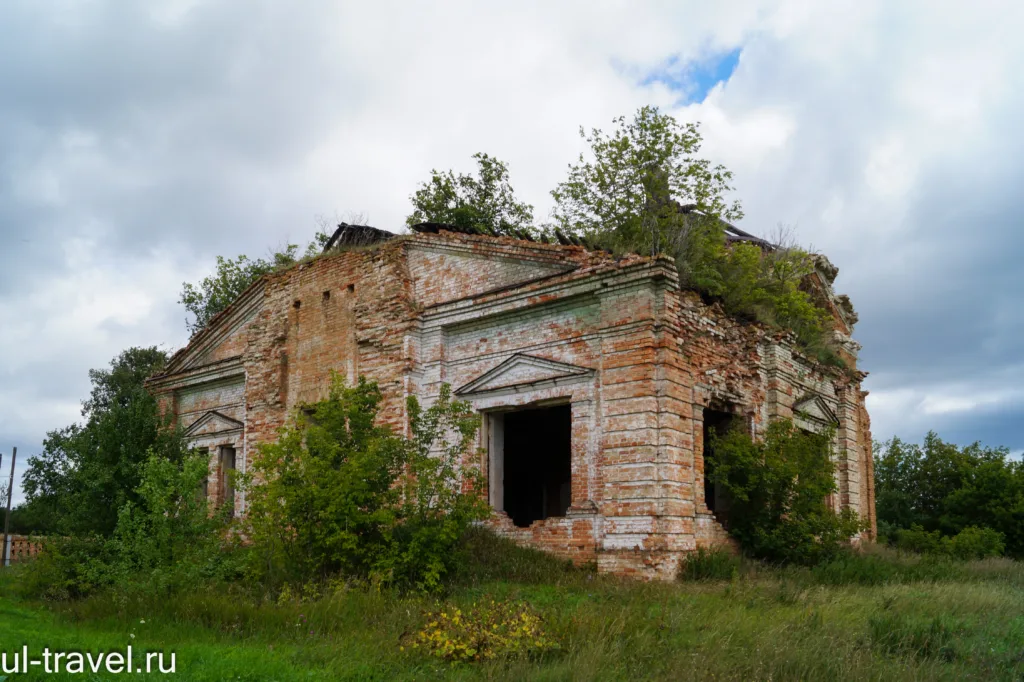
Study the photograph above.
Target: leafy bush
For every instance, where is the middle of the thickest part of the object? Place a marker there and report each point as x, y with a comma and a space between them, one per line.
970, 543
710, 564
975, 543
486, 202
504, 629
70, 567
338, 493
777, 490
916, 539
169, 539
766, 287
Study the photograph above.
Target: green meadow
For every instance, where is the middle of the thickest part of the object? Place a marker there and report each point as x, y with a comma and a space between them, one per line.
873, 616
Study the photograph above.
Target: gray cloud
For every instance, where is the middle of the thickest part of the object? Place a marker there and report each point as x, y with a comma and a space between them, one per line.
141, 139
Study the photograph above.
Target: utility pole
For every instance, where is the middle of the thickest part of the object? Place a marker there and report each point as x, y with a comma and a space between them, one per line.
6, 556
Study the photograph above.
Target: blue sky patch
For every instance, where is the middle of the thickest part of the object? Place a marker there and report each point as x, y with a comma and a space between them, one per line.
694, 80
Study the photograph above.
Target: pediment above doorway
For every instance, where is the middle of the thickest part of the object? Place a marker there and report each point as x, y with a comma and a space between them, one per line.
212, 423
523, 372
814, 409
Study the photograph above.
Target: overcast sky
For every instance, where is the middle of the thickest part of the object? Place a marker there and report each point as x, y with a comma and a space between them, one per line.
138, 140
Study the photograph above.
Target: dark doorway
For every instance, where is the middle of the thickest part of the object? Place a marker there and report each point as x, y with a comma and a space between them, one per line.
718, 423
227, 473
537, 463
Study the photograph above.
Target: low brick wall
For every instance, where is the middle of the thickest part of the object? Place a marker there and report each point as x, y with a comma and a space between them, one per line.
23, 548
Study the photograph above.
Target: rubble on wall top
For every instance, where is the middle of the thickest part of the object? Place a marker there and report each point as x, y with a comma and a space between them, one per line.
356, 235
364, 235
557, 236
732, 233
435, 228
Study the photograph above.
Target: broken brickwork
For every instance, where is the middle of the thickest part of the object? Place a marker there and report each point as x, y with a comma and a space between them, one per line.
520, 329
23, 548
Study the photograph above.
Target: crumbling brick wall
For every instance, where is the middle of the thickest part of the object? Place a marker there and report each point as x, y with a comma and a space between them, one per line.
512, 324
23, 548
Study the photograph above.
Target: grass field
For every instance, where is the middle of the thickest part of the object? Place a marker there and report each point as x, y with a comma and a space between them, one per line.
879, 617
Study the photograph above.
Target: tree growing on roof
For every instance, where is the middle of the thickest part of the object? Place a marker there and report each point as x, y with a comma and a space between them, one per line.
485, 201
645, 189
627, 194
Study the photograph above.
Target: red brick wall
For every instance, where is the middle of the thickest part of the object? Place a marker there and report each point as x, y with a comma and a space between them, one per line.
345, 312
23, 548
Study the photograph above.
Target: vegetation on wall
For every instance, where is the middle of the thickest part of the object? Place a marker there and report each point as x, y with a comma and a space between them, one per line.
643, 188
777, 491
937, 490
626, 192
628, 195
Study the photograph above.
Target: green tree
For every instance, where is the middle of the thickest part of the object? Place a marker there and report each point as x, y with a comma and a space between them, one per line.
896, 478
485, 201
87, 471
777, 491
338, 493
28, 519
943, 489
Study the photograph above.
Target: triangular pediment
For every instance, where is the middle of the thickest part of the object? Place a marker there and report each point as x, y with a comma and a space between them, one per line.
217, 341
815, 408
444, 271
525, 371
212, 422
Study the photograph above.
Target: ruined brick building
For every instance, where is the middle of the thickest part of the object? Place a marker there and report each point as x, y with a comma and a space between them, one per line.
597, 379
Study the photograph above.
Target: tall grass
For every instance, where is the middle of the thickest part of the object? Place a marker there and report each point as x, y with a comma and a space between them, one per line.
926, 638
710, 564
873, 615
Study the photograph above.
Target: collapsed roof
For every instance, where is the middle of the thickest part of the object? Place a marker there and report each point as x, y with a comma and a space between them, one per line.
362, 235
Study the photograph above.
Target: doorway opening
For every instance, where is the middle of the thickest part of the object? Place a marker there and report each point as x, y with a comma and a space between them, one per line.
531, 463
718, 423
227, 477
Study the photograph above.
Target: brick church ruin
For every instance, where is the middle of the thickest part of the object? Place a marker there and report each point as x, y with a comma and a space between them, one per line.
597, 379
